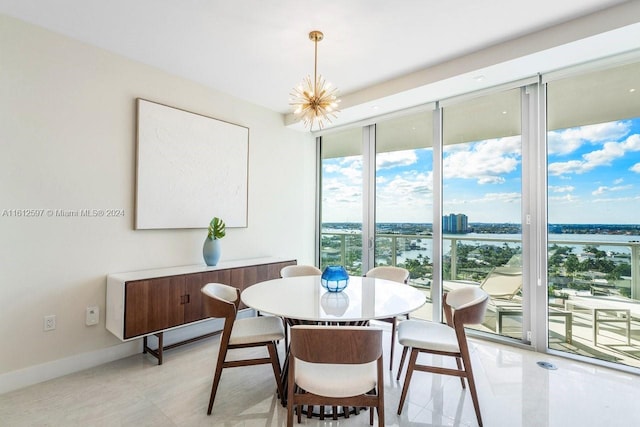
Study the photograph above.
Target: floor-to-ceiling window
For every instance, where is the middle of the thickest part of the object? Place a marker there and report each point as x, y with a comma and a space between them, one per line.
537, 202
341, 200
481, 204
404, 197
593, 169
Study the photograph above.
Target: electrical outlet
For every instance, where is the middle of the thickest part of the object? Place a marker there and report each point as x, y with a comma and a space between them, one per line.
93, 316
50, 322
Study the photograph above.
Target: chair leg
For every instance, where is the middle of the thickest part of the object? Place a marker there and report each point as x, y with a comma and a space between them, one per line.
460, 369
379, 390
290, 414
466, 359
407, 378
393, 341
275, 363
286, 334
404, 355
222, 354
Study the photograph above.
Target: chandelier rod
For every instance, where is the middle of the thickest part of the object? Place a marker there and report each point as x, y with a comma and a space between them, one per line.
315, 67
316, 36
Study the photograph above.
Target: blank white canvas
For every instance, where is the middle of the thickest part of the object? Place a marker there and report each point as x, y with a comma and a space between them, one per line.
190, 168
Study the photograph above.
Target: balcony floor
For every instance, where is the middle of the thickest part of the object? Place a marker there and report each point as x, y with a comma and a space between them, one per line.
611, 345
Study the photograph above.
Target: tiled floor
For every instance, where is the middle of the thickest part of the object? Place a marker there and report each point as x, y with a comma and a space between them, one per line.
513, 391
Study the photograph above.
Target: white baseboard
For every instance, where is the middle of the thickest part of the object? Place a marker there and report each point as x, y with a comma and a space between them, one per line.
25, 377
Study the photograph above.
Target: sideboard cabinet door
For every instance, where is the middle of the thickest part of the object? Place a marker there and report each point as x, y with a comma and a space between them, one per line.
153, 305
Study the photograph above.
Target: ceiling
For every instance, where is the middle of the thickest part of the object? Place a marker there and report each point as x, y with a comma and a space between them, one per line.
382, 55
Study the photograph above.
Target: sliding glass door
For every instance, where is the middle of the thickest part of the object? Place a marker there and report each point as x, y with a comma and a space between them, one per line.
593, 163
481, 205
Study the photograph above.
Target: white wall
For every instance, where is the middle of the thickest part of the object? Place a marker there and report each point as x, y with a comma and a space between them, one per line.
67, 135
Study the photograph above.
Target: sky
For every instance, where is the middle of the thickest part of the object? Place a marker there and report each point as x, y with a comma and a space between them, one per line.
593, 177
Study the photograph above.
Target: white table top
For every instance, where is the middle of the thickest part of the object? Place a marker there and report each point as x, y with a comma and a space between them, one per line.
304, 298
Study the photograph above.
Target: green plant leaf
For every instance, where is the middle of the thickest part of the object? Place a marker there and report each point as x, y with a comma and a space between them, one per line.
217, 228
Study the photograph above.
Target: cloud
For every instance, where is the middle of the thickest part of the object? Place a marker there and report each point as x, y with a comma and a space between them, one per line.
488, 198
491, 180
331, 168
406, 187
337, 191
502, 197
569, 140
349, 167
609, 152
406, 196
603, 189
396, 158
635, 168
617, 200
485, 161
561, 189
569, 198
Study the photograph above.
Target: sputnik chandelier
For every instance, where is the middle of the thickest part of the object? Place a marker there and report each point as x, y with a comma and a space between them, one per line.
315, 101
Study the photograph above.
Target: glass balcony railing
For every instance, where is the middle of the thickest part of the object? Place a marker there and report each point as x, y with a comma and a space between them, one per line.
593, 281
614, 271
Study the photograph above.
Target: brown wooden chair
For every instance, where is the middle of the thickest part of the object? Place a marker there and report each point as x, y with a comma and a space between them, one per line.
335, 366
396, 274
465, 306
222, 301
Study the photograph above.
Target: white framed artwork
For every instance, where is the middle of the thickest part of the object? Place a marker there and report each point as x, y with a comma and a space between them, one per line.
189, 168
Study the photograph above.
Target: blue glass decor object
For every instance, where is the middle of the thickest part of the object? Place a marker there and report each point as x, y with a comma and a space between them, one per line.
334, 278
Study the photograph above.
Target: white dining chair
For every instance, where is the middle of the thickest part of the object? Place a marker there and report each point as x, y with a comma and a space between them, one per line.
461, 307
396, 274
300, 270
296, 271
222, 301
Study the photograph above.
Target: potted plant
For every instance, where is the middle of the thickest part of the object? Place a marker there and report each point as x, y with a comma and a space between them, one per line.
211, 250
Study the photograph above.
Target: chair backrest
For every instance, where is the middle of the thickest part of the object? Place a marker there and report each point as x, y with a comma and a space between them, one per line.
503, 282
465, 306
222, 300
300, 270
396, 274
336, 344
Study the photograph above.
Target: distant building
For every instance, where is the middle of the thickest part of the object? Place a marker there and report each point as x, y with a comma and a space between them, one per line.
455, 224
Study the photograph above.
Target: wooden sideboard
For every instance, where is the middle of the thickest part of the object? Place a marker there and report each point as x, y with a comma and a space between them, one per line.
150, 302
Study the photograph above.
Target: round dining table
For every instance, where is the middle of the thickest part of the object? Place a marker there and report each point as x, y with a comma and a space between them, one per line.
302, 299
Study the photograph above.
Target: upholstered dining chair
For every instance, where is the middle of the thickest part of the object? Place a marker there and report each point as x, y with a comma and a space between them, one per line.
295, 271
335, 366
464, 306
300, 270
396, 274
222, 301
